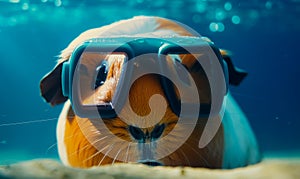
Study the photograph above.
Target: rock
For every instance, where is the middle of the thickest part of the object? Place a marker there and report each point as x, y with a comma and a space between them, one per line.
47, 168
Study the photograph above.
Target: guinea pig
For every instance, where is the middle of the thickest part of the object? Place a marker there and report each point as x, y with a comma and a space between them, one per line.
82, 143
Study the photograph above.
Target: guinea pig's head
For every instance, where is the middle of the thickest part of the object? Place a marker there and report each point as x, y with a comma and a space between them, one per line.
126, 140
140, 144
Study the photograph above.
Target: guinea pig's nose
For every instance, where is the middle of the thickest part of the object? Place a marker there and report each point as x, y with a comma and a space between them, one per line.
139, 135
157, 131
136, 133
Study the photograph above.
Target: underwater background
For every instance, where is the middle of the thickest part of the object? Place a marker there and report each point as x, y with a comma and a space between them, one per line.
263, 36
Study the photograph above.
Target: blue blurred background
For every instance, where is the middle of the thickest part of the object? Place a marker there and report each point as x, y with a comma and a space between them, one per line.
262, 34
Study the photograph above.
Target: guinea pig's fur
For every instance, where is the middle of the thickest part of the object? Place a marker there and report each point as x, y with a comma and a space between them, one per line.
234, 144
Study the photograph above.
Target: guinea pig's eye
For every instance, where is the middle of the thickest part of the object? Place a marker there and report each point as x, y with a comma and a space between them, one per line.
101, 72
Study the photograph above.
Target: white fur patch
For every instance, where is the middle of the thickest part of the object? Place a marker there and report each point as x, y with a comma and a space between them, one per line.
60, 134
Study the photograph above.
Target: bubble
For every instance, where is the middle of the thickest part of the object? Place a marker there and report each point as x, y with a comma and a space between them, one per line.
201, 7
227, 6
253, 14
221, 27
57, 3
196, 18
213, 27
236, 19
216, 27
12, 21
33, 8
25, 6
220, 15
269, 5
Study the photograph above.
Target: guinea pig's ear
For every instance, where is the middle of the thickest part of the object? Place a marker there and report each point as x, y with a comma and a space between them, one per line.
51, 87
236, 75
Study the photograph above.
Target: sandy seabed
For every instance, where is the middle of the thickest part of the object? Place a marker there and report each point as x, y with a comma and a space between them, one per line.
47, 168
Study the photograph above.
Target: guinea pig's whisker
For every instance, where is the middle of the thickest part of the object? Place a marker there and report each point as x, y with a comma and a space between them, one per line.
110, 148
50, 147
198, 153
67, 138
61, 142
126, 155
129, 152
193, 149
116, 156
27, 122
185, 157
86, 146
97, 153
153, 148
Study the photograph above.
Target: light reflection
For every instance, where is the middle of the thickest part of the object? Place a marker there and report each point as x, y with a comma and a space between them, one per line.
14, 1
196, 11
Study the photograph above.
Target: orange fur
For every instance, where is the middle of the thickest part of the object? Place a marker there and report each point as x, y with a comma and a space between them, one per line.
80, 150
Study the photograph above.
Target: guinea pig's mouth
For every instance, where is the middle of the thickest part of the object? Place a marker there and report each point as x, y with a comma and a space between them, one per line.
153, 163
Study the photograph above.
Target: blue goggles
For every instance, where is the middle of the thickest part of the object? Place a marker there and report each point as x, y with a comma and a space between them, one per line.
89, 64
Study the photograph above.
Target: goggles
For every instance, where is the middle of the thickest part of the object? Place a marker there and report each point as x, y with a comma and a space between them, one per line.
91, 63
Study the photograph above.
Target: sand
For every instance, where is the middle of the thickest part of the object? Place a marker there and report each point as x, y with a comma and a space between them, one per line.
47, 168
